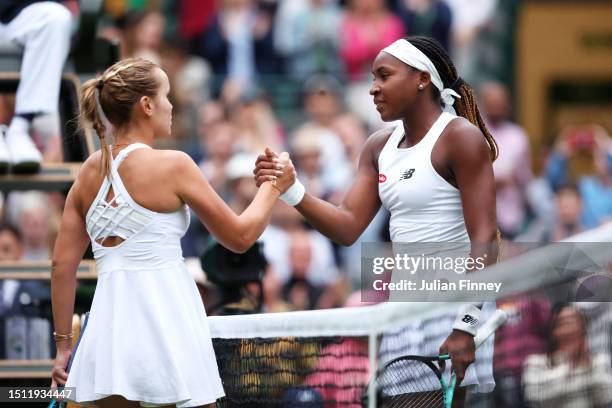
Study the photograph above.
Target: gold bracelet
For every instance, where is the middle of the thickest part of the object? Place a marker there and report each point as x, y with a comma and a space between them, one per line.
61, 337
276, 187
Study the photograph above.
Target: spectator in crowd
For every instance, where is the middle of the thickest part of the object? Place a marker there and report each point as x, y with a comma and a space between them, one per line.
194, 18
352, 134
593, 143
298, 291
568, 375
523, 334
209, 114
238, 43
11, 246
42, 28
303, 291
189, 77
565, 221
219, 146
255, 122
143, 35
599, 322
512, 168
323, 105
432, 18
307, 34
18, 297
322, 270
469, 17
33, 214
11, 250
306, 149
366, 28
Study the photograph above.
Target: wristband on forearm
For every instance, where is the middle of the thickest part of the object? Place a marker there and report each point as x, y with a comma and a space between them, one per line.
468, 319
294, 194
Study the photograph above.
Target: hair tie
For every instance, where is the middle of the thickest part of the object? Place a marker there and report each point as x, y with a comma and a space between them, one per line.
100, 84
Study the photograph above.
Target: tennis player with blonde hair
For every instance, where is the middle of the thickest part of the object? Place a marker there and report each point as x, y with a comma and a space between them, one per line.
147, 339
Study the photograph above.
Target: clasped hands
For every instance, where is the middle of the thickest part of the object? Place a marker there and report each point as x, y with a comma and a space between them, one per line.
276, 168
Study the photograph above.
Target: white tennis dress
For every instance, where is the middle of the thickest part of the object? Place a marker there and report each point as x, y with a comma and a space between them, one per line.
147, 337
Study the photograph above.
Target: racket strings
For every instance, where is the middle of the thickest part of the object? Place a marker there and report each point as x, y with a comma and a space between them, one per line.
410, 383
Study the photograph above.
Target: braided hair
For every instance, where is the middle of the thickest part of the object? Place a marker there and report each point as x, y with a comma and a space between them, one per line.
466, 106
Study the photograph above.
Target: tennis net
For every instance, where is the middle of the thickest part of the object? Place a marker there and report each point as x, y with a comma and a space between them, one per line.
327, 358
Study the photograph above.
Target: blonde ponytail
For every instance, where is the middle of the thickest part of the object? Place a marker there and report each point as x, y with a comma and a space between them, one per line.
107, 102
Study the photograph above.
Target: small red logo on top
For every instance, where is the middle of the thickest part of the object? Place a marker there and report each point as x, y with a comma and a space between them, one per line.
382, 178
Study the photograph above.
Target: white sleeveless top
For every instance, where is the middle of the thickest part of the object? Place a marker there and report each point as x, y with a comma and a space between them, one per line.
147, 337
424, 207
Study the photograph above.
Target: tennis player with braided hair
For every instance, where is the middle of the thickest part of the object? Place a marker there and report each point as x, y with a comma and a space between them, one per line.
146, 340
433, 173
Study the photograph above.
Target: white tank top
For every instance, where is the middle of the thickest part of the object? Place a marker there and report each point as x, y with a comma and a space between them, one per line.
424, 207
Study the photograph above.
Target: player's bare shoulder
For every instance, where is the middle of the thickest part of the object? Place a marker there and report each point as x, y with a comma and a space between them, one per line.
460, 130
462, 138
174, 160
374, 145
91, 172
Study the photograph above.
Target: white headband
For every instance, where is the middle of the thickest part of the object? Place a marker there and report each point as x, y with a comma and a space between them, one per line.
411, 55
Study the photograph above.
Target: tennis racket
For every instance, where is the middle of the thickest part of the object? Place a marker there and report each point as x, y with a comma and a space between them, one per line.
416, 381
55, 403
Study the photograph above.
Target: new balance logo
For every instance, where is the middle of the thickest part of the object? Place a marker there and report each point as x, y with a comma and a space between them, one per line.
407, 174
471, 320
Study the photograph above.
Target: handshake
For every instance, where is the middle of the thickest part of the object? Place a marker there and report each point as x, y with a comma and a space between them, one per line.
279, 170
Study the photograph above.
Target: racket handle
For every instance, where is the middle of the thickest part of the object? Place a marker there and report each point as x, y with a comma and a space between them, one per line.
498, 318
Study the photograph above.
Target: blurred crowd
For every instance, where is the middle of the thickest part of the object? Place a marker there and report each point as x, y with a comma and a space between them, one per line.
294, 76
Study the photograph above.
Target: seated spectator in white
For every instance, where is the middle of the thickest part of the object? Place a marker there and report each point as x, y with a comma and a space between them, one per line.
569, 375
42, 28
34, 215
302, 292
306, 150
323, 105
512, 168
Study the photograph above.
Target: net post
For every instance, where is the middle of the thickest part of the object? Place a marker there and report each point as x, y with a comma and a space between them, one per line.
372, 353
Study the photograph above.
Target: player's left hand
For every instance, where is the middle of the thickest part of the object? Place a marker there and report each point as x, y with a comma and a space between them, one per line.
460, 345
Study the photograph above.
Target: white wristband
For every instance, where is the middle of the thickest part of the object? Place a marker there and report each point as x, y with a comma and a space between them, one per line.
468, 319
294, 194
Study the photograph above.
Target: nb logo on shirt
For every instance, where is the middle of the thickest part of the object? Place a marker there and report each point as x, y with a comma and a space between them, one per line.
472, 321
407, 174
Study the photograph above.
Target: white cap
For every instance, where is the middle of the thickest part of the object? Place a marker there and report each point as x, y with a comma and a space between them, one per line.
241, 165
